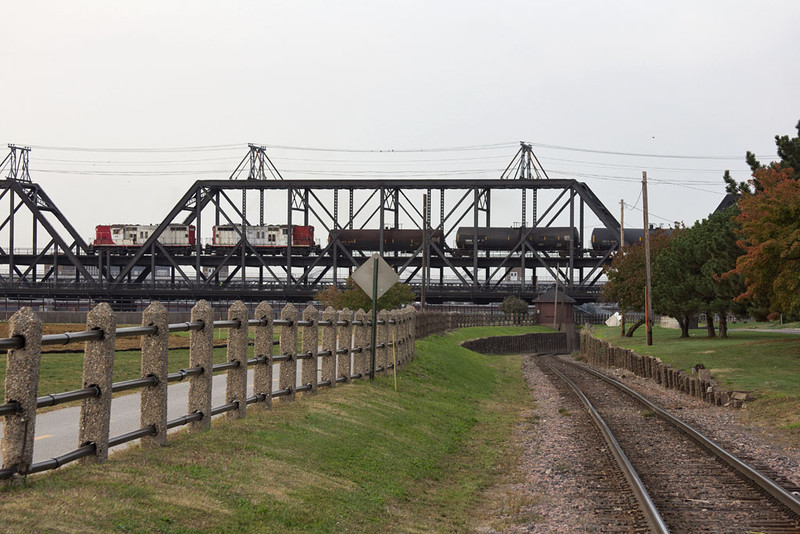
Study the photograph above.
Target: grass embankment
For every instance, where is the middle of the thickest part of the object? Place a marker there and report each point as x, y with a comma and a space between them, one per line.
359, 458
764, 363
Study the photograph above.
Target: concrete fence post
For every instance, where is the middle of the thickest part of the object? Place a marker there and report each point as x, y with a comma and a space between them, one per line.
287, 376
310, 345
201, 347
328, 343
393, 336
262, 348
402, 335
345, 334
360, 341
412, 316
402, 342
22, 383
155, 349
382, 340
413, 330
236, 384
98, 370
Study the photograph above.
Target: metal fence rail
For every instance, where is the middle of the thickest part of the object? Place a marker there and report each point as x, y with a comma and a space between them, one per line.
333, 350
333, 347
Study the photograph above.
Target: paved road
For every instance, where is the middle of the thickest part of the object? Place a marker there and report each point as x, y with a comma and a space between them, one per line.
57, 430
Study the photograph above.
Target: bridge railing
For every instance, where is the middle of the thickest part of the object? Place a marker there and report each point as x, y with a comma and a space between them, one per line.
314, 350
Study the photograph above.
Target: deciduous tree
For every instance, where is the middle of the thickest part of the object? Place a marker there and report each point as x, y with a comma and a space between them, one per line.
354, 297
626, 279
770, 236
514, 306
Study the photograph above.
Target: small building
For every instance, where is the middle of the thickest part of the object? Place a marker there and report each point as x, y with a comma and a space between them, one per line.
554, 306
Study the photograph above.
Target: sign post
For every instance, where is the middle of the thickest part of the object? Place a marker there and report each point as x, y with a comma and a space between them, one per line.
375, 277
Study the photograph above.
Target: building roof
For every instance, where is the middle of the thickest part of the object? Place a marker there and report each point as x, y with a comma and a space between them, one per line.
550, 296
727, 202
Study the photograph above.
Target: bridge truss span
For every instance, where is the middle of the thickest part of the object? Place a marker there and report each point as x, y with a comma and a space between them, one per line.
270, 237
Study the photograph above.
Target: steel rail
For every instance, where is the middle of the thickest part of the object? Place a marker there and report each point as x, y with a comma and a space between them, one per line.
748, 472
651, 513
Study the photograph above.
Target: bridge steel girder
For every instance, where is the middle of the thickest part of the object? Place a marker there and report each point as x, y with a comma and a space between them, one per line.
26, 194
385, 204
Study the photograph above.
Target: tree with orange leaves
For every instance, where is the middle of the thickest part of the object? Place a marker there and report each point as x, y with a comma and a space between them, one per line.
770, 235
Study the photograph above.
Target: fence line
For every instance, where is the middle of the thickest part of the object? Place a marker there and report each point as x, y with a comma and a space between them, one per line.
534, 343
343, 350
334, 348
698, 384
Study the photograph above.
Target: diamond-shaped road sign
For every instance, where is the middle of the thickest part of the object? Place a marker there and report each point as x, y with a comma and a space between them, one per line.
364, 276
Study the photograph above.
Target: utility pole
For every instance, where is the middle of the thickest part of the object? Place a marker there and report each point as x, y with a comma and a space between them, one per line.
648, 290
422, 291
621, 244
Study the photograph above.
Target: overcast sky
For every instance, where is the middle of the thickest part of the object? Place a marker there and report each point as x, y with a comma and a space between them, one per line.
700, 81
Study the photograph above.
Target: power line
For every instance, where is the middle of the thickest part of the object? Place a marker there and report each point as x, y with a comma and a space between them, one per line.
395, 150
205, 148
138, 162
486, 146
650, 213
639, 154
636, 167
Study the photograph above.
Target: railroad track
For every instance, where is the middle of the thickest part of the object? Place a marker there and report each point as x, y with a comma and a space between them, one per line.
680, 481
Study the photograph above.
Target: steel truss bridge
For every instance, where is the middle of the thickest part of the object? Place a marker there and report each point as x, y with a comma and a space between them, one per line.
56, 263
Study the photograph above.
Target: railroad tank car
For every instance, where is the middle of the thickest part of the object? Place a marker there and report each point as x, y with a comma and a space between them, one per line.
605, 239
264, 238
394, 240
124, 237
549, 238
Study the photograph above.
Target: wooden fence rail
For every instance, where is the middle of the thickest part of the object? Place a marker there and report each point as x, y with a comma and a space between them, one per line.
697, 384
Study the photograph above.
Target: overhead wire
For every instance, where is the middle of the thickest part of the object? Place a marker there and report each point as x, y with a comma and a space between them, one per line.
637, 154
650, 213
202, 148
332, 167
395, 150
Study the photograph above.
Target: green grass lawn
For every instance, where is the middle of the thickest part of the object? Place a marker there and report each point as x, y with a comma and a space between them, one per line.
768, 363
765, 363
60, 372
358, 458
763, 324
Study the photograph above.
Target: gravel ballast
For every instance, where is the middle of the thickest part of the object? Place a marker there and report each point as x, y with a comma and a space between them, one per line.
549, 482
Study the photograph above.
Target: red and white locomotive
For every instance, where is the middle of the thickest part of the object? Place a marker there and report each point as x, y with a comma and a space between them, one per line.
270, 238
129, 237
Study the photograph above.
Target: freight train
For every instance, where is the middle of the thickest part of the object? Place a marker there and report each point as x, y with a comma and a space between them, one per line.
395, 240
551, 239
275, 239
604, 239
124, 238
544, 239
266, 239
